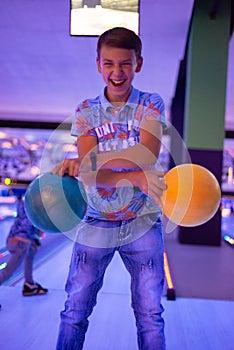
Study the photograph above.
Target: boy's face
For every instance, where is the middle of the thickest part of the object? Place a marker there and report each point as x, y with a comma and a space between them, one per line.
118, 67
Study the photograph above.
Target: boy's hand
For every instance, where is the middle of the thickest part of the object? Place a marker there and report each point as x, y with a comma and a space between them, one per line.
67, 166
151, 182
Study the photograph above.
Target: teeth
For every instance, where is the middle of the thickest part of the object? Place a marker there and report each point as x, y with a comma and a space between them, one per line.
117, 82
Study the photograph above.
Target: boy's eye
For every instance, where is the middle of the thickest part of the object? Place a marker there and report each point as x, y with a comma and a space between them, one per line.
121, 65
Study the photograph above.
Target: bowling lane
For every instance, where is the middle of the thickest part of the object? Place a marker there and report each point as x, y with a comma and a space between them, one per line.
53, 271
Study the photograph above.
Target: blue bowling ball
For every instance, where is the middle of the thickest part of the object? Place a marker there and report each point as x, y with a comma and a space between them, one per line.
55, 204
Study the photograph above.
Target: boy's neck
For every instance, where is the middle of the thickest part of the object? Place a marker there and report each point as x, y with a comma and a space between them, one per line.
117, 102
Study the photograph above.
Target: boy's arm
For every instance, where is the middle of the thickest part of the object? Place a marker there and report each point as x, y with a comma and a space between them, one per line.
140, 155
150, 182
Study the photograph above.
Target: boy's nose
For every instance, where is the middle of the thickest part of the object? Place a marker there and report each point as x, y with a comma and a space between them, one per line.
117, 69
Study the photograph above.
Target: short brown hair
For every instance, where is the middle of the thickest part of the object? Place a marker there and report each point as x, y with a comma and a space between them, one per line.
120, 37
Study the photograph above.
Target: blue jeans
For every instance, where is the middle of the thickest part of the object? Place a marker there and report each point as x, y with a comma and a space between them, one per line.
142, 257
20, 251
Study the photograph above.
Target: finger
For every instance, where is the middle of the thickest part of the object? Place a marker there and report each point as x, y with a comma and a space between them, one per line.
59, 169
157, 185
56, 169
156, 199
73, 168
159, 173
62, 169
160, 182
155, 192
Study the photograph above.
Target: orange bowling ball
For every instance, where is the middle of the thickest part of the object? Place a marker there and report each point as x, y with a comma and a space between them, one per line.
193, 195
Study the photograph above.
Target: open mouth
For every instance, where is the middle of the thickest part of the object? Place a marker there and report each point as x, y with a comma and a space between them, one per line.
117, 83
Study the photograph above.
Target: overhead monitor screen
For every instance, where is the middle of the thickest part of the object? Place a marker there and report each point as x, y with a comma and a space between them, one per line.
93, 17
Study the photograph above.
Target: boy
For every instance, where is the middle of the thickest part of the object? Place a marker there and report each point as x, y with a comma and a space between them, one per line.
118, 138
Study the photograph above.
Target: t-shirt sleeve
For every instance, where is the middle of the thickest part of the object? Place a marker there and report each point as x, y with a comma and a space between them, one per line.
153, 108
82, 121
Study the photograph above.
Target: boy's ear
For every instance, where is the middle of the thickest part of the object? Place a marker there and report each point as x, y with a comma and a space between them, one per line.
139, 64
98, 65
